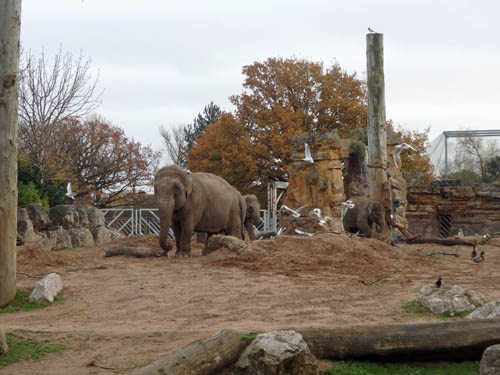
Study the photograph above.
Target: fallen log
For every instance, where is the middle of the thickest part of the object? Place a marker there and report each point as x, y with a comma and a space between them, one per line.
440, 241
455, 340
204, 357
140, 252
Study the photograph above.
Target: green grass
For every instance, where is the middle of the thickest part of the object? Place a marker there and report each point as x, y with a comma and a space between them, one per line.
22, 349
21, 302
249, 337
417, 309
371, 368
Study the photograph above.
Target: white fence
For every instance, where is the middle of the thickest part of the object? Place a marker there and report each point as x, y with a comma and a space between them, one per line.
137, 221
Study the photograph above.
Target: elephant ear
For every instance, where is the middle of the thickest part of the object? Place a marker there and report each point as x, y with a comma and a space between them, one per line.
189, 185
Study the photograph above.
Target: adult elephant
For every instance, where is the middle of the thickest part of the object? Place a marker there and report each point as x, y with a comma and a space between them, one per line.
252, 216
201, 202
363, 215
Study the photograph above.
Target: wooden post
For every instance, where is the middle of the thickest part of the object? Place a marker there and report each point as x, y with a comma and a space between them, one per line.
10, 22
377, 139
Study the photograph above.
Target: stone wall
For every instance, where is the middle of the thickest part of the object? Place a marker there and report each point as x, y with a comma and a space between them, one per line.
63, 226
471, 210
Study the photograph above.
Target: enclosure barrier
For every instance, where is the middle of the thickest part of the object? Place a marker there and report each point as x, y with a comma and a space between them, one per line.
138, 221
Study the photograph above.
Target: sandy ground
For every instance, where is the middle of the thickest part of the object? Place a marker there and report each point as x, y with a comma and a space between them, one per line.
121, 312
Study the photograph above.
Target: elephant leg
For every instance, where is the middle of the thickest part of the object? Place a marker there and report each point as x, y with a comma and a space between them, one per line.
176, 227
365, 229
250, 230
184, 243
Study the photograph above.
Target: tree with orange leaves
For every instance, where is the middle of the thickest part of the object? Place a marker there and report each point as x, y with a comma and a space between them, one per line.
225, 149
283, 98
416, 166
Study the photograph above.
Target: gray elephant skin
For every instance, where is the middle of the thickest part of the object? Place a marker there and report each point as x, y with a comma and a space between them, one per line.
363, 215
252, 217
201, 202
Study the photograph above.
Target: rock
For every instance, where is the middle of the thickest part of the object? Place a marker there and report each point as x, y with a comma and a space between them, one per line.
83, 220
47, 288
66, 216
219, 241
115, 235
95, 217
59, 236
449, 299
278, 353
81, 237
4, 348
25, 226
487, 311
490, 361
101, 235
38, 216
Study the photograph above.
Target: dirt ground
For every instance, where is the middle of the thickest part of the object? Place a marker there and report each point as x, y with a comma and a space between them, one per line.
120, 312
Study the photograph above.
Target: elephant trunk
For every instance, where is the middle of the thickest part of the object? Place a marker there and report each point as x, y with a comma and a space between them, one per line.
165, 211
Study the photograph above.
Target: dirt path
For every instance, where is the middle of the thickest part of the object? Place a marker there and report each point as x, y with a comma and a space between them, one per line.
121, 312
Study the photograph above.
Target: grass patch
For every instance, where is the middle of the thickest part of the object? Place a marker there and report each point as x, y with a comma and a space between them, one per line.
371, 368
249, 337
419, 310
21, 302
22, 349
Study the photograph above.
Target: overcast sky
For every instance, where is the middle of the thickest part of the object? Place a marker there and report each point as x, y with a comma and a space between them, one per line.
161, 61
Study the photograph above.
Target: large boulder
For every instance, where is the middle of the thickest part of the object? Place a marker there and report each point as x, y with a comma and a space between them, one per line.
66, 216
101, 235
95, 217
278, 353
47, 288
25, 226
449, 299
490, 361
4, 348
38, 216
487, 311
81, 237
83, 220
59, 237
220, 241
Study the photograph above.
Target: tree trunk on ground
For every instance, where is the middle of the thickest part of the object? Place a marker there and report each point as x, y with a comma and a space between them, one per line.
204, 357
10, 22
455, 340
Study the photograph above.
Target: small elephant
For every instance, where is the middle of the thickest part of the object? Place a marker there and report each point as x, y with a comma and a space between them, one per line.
363, 215
252, 217
201, 202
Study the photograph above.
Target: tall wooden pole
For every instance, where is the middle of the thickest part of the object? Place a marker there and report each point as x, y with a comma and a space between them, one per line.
377, 139
10, 24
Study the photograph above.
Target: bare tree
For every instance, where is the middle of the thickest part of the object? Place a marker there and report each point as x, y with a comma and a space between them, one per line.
472, 154
49, 94
10, 21
175, 143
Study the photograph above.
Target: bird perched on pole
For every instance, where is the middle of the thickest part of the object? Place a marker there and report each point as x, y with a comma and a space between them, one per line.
479, 259
398, 149
371, 30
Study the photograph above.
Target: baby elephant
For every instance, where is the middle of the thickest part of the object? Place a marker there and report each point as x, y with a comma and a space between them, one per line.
363, 215
252, 216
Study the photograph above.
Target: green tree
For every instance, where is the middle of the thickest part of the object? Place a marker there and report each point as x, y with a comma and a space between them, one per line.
493, 168
211, 113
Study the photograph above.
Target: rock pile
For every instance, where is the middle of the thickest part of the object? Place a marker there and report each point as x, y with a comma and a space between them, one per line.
63, 226
449, 299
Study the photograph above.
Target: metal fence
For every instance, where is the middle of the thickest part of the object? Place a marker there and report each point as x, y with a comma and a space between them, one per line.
130, 221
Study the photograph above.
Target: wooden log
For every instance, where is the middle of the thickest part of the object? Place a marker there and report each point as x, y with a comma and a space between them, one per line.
139, 252
454, 340
440, 241
204, 357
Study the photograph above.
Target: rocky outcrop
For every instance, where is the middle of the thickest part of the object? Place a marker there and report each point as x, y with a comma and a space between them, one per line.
319, 184
47, 288
64, 226
278, 353
449, 299
490, 361
487, 311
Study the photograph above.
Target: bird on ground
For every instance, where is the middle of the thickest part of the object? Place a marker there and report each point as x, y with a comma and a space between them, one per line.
69, 193
473, 254
308, 157
345, 207
322, 220
398, 149
298, 231
280, 231
479, 259
295, 213
438, 282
